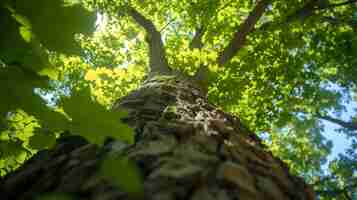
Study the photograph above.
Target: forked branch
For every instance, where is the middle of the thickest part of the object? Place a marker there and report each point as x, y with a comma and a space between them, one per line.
244, 29
158, 62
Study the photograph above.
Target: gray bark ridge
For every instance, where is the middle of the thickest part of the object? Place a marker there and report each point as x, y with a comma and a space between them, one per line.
185, 148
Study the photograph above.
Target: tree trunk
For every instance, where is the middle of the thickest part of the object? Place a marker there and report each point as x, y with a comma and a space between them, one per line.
186, 148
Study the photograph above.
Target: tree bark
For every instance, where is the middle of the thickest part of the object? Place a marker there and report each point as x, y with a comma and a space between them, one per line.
185, 148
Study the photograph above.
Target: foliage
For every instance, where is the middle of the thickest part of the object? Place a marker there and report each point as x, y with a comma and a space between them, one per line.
37, 36
14, 141
302, 146
126, 178
93, 121
298, 63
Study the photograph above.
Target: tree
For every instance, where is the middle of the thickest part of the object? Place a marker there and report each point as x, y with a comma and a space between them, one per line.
236, 52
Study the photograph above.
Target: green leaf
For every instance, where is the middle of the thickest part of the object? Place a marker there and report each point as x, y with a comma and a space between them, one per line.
12, 45
42, 140
20, 19
123, 174
25, 33
56, 22
93, 121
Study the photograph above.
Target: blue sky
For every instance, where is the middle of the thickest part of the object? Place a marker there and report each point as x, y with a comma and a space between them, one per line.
340, 141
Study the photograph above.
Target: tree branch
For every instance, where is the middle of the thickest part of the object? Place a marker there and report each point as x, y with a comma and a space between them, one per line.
337, 21
334, 5
307, 10
349, 125
196, 42
244, 29
158, 63
201, 75
315, 5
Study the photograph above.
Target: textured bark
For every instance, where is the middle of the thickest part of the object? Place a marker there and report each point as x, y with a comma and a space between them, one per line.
185, 147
